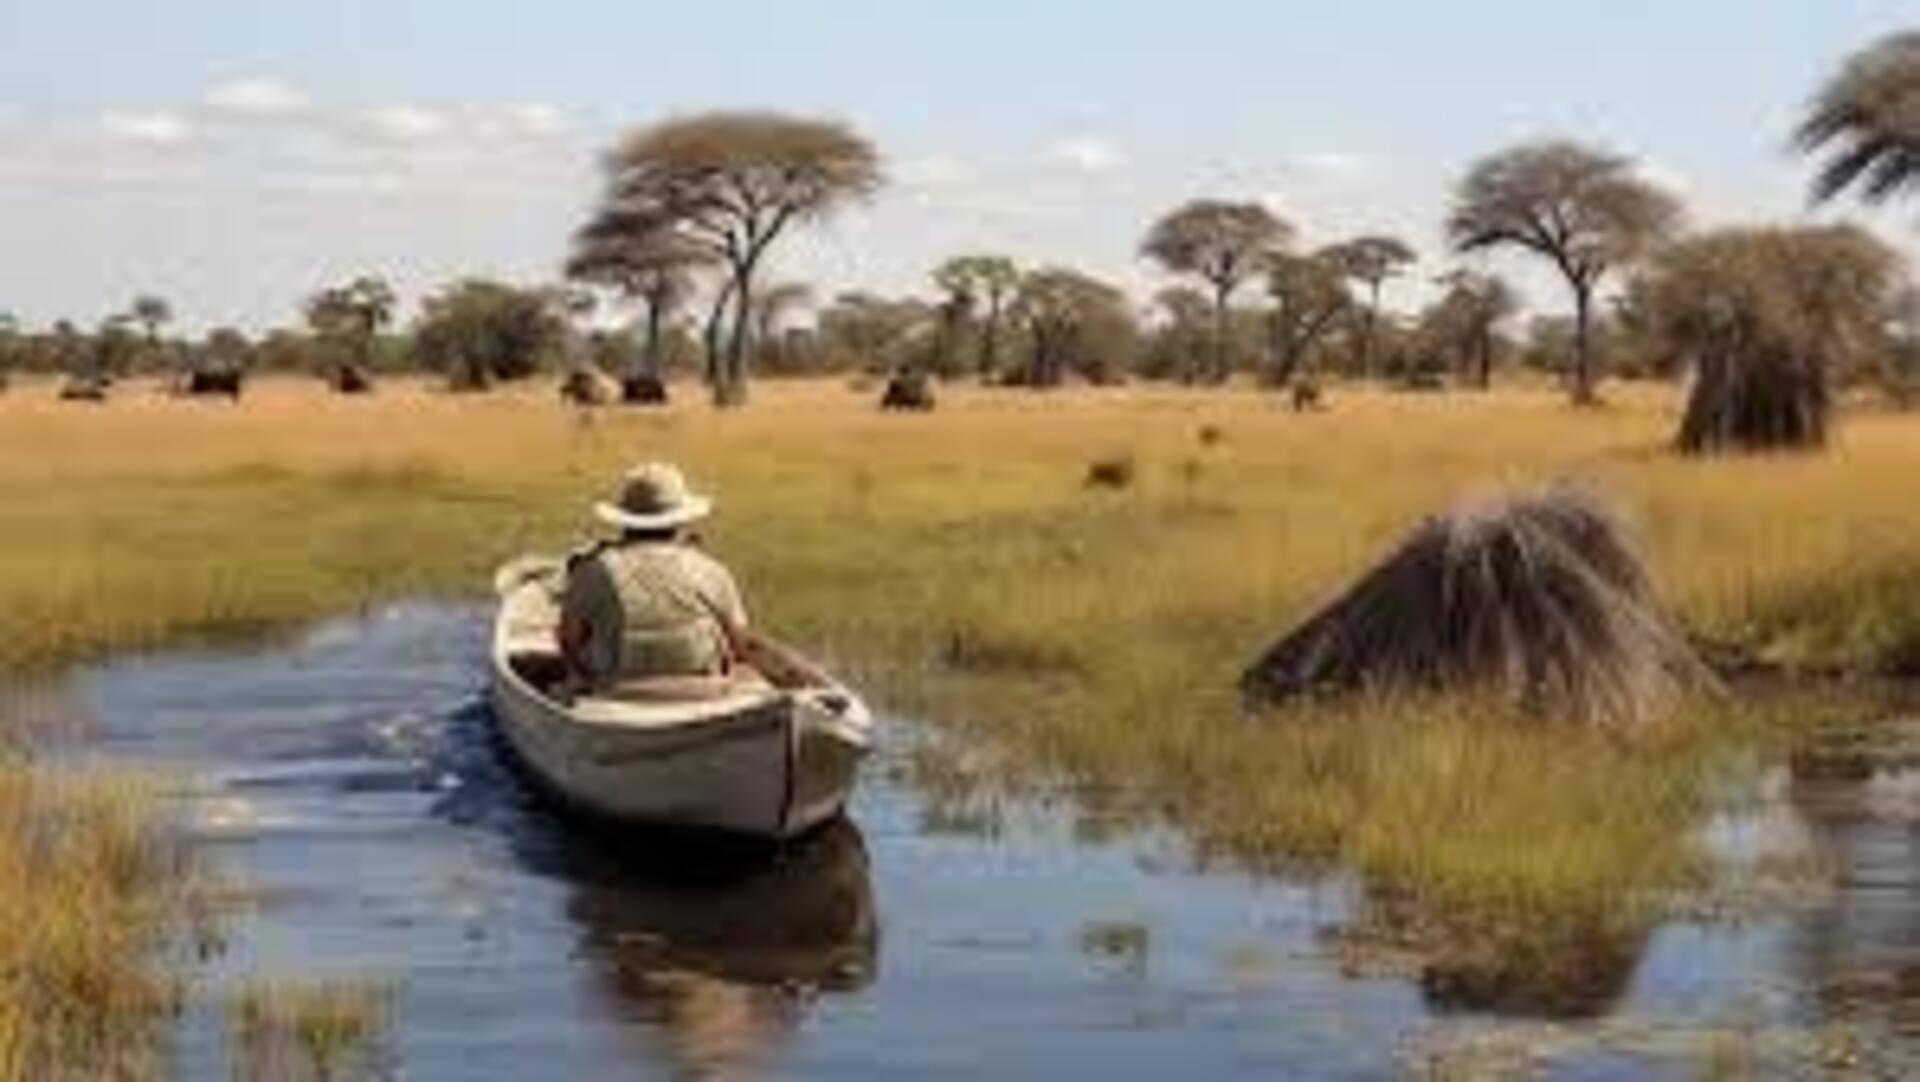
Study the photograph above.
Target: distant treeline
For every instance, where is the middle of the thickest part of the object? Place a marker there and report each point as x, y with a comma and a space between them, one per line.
668, 274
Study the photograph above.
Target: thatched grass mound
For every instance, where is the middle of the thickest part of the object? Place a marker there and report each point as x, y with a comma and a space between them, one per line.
1767, 400
1541, 599
1767, 320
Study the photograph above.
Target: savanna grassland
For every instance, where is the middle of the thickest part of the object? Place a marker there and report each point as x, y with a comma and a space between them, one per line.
957, 562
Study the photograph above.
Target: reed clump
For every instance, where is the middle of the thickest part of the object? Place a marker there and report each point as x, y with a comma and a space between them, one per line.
297, 1030
94, 886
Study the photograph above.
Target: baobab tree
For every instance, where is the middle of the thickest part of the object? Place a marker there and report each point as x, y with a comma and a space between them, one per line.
653, 267
1869, 114
1583, 210
1220, 242
1371, 260
989, 280
1309, 294
733, 183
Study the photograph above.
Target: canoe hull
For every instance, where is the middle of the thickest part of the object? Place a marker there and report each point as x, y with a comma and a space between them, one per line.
772, 765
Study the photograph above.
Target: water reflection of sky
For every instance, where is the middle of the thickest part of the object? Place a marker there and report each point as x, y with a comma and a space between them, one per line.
353, 789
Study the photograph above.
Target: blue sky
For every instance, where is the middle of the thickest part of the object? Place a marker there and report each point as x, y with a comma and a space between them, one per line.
236, 156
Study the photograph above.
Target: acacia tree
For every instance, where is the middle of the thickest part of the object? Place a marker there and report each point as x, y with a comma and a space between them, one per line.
151, 312
1371, 260
771, 305
991, 279
1310, 294
957, 306
114, 347
1475, 304
9, 341
1188, 314
1220, 242
353, 314
227, 350
732, 183
1581, 209
1061, 308
1869, 115
478, 331
878, 333
639, 262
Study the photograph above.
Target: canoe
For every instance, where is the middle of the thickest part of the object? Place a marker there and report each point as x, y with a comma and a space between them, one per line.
769, 758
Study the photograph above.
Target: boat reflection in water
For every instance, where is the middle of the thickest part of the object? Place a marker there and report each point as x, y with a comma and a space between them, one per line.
713, 957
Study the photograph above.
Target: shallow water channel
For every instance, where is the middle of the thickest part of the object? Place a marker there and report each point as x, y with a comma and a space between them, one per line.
349, 782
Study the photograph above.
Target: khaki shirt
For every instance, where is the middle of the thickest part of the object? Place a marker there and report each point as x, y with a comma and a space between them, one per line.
649, 609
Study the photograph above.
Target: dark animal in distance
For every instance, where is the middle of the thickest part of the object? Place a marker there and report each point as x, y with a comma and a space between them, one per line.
1211, 435
350, 379
584, 387
643, 391
908, 391
1110, 473
85, 389
215, 381
1306, 396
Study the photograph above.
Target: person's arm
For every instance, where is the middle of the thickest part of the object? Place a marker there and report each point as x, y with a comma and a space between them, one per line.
575, 628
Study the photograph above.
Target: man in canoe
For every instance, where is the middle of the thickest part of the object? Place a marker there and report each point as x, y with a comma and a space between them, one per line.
649, 607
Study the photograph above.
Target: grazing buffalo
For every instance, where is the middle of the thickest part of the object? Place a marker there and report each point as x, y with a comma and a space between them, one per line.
1306, 396
1110, 473
84, 389
908, 391
585, 387
350, 379
643, 390
215, 381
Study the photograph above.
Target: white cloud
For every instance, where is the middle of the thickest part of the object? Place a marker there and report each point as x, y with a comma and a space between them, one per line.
1086, 153
932, 171
402, 123
1333, 164
538, 118
257, 98
156, 127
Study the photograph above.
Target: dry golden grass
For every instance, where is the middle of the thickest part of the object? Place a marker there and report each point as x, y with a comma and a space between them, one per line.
92, 887
958, 563
287, 1030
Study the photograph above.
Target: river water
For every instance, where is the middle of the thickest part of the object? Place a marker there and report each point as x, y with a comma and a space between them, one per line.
349, 784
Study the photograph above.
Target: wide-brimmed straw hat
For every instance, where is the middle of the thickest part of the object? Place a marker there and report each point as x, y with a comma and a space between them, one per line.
653, 496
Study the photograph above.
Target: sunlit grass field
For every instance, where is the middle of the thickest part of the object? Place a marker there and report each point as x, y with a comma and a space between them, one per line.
958, 563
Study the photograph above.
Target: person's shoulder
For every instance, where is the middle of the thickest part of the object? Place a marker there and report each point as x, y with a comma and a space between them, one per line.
587, 551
